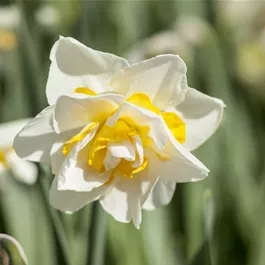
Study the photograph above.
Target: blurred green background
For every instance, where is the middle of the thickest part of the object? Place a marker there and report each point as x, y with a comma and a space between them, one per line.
220, 220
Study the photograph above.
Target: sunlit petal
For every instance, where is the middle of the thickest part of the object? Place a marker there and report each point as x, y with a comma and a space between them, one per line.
161, 195
75, 65
84, 109
125, 200
76, 174
181, 166
71, 201
162, 78
202, 115
35, 140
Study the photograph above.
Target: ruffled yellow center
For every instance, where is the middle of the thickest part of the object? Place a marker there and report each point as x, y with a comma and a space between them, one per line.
124, 129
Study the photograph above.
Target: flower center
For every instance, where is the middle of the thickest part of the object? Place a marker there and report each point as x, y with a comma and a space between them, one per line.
123, 132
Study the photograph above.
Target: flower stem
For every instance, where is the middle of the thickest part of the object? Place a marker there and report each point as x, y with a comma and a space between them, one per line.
61, 238
97, 236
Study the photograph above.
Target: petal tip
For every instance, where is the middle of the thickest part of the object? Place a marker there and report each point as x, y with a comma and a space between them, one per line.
137, 226
221, 103
204, 173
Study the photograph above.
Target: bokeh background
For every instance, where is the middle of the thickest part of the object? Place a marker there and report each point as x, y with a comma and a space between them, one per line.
220, 220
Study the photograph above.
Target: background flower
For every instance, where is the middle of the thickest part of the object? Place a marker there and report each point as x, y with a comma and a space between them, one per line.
22, 170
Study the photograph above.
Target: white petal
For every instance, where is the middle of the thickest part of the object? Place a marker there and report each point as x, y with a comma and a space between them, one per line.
23, 171
75, 65
110, 161
81, 179
76, 174
162, 78
35, 140
202, 115
122, 149
138, 146
77, 110
182, 165
161, 195
71, 201
57, 156
9, 130
125, 200
118, 201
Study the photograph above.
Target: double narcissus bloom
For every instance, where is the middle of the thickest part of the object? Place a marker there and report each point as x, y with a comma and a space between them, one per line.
118, 133
23, 171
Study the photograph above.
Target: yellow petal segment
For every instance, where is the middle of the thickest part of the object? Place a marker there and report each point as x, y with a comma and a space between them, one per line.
141, 130
96, 158
121, 130
69, 145
126, 169
85, 90
142, 100
3, 159
173, 121
176, 125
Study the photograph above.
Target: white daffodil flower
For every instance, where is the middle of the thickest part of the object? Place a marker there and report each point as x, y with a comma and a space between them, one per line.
23, 171
118, 133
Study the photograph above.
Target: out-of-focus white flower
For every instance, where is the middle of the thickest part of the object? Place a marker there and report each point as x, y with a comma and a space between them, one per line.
193, 30
10, 17
116, 132
250, 65
47, 15
8, 40
235, 13
188, 32
161, 43
231, 15
23, 171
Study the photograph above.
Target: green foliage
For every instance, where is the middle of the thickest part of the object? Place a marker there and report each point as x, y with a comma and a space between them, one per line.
217, 221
